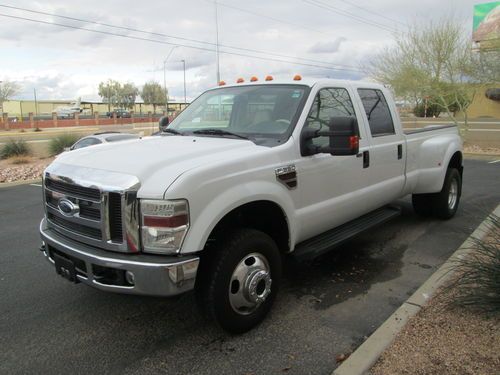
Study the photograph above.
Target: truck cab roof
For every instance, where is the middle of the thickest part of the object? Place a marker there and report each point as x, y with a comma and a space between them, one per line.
310, 82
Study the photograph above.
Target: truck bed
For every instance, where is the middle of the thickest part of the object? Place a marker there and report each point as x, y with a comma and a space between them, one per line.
426, 129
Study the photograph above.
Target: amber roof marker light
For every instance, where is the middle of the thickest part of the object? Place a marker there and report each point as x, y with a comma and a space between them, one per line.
222, 83
254, 79
240, 80
297, 77
269, 78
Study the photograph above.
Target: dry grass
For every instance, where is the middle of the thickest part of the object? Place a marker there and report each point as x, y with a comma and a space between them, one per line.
17, 160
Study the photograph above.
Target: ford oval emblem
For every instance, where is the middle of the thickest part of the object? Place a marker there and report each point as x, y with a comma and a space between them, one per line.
66, 207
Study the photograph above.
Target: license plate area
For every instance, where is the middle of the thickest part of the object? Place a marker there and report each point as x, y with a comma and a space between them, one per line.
65, 268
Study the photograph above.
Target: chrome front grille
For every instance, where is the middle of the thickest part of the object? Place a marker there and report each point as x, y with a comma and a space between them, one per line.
104, 216
79, 229
74, 190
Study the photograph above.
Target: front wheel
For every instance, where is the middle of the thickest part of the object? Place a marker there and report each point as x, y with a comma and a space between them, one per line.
240, 280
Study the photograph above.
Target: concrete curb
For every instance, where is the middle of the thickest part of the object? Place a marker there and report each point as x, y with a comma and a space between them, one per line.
365, 356
22, 182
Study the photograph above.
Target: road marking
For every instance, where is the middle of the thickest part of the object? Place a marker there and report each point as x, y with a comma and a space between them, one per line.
482, 130
38, 185
494, 161
450, 123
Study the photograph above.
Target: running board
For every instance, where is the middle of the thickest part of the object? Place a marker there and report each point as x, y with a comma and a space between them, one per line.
316, 246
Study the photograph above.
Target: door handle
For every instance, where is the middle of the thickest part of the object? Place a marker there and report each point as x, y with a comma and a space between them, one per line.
366, 159
400, 152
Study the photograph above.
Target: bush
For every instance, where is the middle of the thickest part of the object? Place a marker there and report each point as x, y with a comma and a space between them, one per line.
478, 281
432, 110
58, 144
14, 148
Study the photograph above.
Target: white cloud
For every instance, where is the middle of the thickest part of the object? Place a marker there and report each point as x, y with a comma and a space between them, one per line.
327, 47
67, 63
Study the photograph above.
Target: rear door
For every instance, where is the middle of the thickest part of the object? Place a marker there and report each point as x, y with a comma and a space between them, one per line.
387, 154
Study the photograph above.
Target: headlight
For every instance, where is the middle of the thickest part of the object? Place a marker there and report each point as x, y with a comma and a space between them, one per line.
164, 225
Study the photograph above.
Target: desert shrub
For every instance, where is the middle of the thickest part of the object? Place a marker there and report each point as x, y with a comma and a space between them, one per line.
13, 148
432, 110
58, 144
478, 274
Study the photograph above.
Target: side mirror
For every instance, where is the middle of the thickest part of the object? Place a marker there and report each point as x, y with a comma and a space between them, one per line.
343, 138
163, 123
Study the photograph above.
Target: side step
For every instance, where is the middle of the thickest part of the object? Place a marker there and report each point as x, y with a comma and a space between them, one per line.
322, 243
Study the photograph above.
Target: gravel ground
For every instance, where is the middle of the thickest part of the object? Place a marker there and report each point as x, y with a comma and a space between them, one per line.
444, 340
22, 168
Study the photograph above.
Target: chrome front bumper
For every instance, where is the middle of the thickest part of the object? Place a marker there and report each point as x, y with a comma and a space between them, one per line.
153, 275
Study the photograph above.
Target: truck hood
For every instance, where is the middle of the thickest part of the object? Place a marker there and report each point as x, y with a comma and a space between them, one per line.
157, 161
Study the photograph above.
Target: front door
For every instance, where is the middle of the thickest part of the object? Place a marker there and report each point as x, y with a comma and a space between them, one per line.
332, 189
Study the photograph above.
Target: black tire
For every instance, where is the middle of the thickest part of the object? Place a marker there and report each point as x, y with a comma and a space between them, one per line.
422, 204
443, 206
216, 271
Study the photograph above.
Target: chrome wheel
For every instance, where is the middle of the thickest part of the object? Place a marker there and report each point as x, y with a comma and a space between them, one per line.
453, 194
250, 284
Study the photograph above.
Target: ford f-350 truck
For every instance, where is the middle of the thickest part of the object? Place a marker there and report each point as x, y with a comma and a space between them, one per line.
246, 175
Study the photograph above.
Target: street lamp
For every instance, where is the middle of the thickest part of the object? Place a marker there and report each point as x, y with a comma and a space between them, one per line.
184, 68
165, 76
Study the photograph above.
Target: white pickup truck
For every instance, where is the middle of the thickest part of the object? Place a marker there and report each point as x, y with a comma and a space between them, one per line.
247, 174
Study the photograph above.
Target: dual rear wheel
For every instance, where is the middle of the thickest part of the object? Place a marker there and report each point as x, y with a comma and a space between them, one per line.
444, 204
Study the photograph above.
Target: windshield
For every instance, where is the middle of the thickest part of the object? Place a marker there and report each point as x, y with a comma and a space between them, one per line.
265, 114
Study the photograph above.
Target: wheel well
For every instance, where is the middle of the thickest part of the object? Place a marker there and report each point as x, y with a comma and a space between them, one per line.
265, 216
456, 162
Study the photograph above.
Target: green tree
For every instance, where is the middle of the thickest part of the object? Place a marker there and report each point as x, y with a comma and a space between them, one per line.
109, 91
127, 95
153, 93
435, 63
8, 89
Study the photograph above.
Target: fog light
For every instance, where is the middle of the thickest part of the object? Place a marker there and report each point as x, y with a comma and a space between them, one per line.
129, 276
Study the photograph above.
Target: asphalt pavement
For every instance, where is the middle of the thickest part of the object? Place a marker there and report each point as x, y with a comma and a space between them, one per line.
50, 326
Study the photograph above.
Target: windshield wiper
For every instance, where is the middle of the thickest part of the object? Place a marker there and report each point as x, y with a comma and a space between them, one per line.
172, 131
214, 131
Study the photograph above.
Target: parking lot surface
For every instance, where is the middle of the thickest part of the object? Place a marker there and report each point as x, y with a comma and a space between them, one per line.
328, 307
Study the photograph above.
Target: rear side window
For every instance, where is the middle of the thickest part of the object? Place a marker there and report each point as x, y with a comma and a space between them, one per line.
377, 111
85, 143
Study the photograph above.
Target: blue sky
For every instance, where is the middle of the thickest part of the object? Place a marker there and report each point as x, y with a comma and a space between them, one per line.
65, 64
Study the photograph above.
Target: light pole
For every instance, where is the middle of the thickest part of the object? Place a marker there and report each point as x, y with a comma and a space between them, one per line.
165, 77
217, 41
36, 103
184, 68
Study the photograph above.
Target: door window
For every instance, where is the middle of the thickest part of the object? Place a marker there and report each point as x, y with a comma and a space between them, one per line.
331, 102
377, 111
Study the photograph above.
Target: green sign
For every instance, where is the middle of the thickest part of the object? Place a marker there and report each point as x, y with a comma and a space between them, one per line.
486, 22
